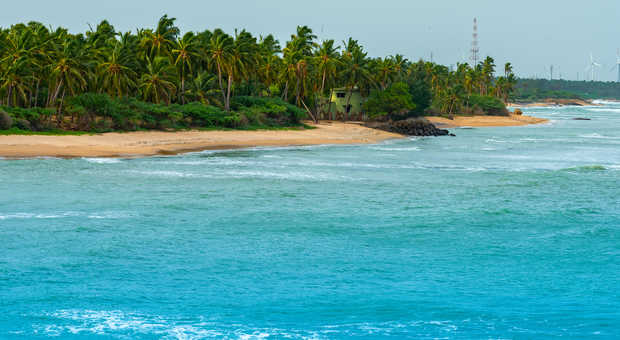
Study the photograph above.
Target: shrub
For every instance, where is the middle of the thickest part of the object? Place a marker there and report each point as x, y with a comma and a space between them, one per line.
5, 121
276, 110
23, 124
488, 104
395, 101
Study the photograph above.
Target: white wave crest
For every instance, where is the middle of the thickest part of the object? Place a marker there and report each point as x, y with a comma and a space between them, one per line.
169, 174
38, 216
69, 323
605, 102
57, 215
412, 148
597, 136
602, 109
102, 160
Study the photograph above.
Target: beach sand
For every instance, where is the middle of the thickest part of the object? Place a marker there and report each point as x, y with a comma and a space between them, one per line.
133, 144
555, 102
485, 121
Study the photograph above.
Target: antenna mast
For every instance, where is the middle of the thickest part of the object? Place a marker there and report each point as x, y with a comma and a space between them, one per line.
551, 72
475, 50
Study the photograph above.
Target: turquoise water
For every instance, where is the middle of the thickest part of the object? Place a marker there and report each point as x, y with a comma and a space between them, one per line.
509, 233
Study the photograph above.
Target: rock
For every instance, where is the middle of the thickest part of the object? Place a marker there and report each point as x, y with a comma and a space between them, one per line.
411, 127
518, 112
581, 118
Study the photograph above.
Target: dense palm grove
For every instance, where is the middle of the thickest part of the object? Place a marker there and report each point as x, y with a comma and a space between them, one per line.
158, 78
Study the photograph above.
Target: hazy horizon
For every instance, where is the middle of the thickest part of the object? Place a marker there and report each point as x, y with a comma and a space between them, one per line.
562, 34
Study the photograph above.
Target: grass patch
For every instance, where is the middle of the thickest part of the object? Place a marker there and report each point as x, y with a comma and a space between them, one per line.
56, 132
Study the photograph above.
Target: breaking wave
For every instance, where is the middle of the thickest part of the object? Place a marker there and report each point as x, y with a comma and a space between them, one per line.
120, 324
102, 160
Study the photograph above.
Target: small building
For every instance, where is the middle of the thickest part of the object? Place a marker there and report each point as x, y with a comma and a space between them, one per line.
340, 107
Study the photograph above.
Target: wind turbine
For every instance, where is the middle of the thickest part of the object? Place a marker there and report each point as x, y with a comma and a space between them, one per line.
617, 65
593, 65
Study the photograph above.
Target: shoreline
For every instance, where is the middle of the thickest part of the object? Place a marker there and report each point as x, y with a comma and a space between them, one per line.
554, 102
485, 121
154, 143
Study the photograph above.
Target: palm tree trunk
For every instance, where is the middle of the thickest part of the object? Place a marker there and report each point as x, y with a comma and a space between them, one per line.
57, 92
36, 94
183, 89
285, 94
297, 90
312, 115
329, 106
228, 93
60, 114
8, 96
219, 76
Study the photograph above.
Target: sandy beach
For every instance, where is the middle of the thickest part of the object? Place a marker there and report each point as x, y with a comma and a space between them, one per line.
132, 144
555, 102
485, 121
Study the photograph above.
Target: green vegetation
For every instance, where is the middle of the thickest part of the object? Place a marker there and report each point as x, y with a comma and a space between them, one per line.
540, 89
394, 101
156, 78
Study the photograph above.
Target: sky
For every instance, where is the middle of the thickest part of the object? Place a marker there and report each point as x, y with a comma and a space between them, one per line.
531, 34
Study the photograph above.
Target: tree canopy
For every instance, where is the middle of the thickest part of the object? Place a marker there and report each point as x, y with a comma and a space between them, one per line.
44, 69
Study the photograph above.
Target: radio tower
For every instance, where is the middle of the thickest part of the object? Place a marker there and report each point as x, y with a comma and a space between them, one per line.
475, 50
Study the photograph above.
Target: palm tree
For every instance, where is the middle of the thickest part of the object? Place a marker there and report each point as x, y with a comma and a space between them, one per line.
185, 52
118, 77
157, 84
203, 88
356, 68
219, 52
160, 41
70, 69
327, 62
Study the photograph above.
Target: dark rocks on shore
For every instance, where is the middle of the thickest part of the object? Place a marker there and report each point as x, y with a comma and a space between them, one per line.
410, 127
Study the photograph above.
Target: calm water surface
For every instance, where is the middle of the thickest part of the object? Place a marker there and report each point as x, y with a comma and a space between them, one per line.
496, 233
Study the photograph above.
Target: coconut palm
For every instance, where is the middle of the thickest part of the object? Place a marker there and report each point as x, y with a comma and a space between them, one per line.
118, 77
157, 84
219, 53
185, 54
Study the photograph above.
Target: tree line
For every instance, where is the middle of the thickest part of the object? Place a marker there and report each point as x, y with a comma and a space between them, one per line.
540, 89
41, 67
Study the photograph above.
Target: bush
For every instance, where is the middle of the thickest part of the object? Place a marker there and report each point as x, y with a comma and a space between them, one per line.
101, 113
268, 111
23, 124
5, 121
488, 104
395, 102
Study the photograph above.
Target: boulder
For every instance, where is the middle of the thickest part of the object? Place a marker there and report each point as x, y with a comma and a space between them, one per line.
411, 127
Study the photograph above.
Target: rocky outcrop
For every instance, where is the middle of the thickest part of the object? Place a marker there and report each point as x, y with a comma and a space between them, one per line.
410, 127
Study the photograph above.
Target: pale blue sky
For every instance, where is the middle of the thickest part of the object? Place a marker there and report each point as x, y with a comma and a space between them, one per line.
532, 34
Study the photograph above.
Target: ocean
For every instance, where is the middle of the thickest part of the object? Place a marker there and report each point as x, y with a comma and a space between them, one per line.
497, 233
